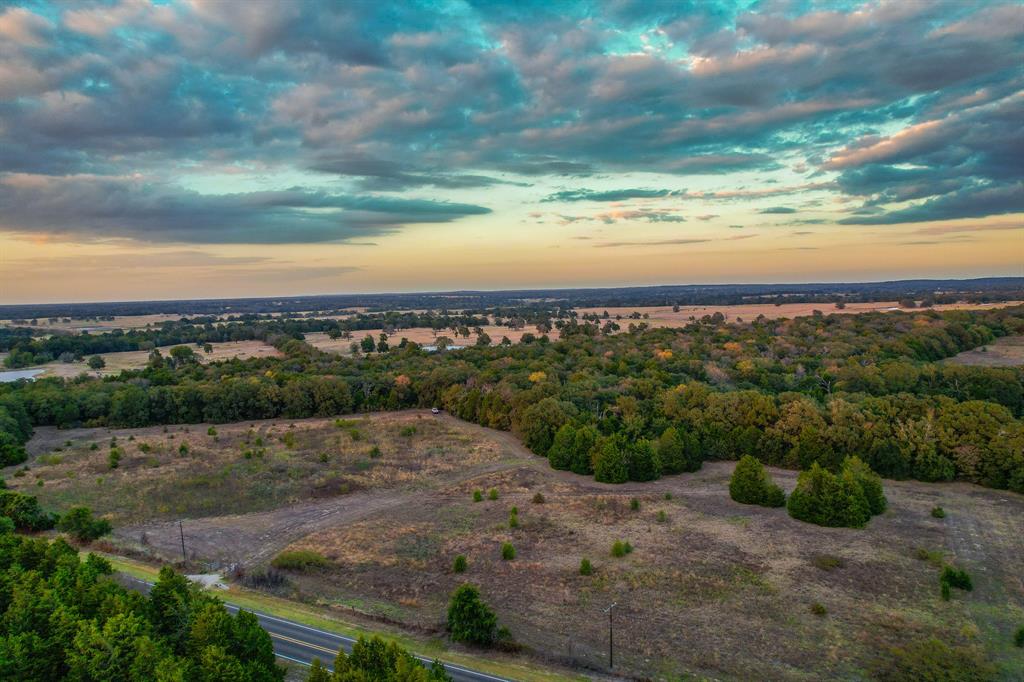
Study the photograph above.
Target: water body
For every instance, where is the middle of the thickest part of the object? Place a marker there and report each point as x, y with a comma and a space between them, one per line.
15, 374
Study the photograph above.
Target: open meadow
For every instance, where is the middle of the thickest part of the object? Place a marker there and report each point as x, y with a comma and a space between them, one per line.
137, 359
712, 587
665, 316
1005, 352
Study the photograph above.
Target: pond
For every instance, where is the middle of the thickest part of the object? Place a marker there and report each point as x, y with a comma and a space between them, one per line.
15, 374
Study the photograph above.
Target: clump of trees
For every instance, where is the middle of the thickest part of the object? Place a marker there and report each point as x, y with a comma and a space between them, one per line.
78, 522
62, 618
848, 499
25, 512
751, 484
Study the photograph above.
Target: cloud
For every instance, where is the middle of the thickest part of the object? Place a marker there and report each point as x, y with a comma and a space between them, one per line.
662, 242
406, 98
611, 195
967, 203
93, 207
777, 210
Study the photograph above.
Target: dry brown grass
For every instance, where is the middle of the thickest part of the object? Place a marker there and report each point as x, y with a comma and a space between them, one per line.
719, 588
137, 359
249, 466
716, 588
1005, 352
663, 316
420, 335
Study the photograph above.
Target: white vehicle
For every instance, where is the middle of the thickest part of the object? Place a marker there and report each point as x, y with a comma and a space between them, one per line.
434, 410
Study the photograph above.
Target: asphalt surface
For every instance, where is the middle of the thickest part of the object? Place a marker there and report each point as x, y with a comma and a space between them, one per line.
301, 644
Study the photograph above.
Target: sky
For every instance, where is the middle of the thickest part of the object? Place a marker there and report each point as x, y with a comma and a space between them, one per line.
193, 149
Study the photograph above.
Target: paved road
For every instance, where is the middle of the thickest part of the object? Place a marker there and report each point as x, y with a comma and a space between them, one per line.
301, 644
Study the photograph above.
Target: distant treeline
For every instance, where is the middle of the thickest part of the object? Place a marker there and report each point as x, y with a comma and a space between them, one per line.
941, 290
632, 405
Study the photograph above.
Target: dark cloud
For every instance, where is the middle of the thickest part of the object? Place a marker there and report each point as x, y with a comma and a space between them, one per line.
777, 210
97, 207
968, 203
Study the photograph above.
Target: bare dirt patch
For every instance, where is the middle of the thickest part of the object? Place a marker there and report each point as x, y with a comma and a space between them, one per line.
1005, 352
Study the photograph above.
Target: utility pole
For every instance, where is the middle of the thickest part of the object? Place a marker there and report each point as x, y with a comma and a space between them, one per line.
181, 530
611, 637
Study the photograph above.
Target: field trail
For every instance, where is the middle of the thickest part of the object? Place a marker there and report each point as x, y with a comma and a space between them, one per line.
254, 538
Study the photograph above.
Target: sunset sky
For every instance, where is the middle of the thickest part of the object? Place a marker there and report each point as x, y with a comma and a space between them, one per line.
207, 149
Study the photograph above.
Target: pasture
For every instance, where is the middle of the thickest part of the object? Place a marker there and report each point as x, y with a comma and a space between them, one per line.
712, 587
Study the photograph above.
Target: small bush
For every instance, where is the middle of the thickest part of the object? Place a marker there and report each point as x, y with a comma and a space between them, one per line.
634, 504
492, 494
668, 496
751, 484
945, 591
957, 577
1018, 637
212, 431
621, 549
375, 452
460, 564
818, 609
183, 449
586, 568
407, 431
94, 446
538, 498
662, 516
299, 560
827, 562
508, 552
513, 520
932, 660
478, 495
930, 556
938, 513
114, 458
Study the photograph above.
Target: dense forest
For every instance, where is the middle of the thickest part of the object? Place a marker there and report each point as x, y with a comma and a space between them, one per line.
62, 618
628, 406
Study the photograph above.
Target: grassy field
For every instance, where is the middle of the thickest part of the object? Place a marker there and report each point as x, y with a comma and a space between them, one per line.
137, 359
1005, 352
712, 587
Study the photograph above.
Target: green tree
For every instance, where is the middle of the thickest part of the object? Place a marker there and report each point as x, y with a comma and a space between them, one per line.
96, 362
826, 499
610, 462
470, 620
751, 484
80, 524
